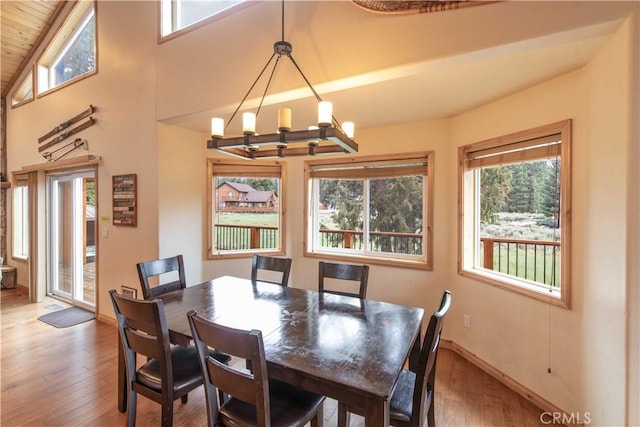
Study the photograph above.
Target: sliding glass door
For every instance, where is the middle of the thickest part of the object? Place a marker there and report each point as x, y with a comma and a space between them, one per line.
71, 237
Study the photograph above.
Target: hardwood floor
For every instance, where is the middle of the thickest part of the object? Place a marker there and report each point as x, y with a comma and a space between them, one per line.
67, 377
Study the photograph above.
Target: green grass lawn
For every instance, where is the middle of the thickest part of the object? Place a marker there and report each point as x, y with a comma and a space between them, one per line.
248, 219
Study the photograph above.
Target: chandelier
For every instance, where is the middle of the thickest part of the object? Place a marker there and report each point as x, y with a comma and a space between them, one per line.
328, 137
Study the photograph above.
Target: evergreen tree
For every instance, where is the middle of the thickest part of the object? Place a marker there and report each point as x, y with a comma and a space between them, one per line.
261, 184
495, 184
396, 206
551, 192
345, 196
518, 197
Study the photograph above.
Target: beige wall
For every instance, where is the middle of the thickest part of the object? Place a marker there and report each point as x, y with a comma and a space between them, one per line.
124, 136
585, 347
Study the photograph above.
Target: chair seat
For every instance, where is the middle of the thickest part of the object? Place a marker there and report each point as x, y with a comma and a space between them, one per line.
401, 404
186, 368
289, 406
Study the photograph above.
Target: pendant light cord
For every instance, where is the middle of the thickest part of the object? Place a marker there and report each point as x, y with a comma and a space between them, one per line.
282, 20
295, 64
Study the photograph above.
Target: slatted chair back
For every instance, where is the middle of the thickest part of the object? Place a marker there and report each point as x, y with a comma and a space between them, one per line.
250, 387
271, 264
345, 273
423, 394
149, 269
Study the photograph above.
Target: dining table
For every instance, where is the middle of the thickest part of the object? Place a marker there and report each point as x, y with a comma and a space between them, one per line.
342, 347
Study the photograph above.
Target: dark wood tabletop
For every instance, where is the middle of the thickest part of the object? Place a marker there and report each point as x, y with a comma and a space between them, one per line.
342, 347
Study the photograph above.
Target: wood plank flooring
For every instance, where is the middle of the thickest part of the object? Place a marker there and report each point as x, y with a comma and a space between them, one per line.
67, 377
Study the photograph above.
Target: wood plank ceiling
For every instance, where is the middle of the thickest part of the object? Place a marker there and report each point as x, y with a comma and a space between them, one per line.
23, 24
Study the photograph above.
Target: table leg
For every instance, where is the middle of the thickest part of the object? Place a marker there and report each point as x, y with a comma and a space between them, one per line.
122, 380
377, 414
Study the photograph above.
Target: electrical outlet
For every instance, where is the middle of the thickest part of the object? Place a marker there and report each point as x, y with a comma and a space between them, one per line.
467, 321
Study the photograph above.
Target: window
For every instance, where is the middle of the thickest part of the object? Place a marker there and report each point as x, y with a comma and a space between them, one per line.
21, 217
514, 209
371, 209
245, 215
71, 54
24, 93
179, 14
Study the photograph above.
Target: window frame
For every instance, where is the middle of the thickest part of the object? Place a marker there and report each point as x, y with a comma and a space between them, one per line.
468, 211
21, 88
423, 262
20, 183
167, 18
247, 169
59, 44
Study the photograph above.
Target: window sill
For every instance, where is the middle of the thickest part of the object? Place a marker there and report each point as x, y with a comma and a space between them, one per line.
342, 257
543, 295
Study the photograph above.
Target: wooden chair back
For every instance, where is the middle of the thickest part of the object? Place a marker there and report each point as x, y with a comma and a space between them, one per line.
157, 267
343, 272
426, 370
252, 386
278, 265
143, 330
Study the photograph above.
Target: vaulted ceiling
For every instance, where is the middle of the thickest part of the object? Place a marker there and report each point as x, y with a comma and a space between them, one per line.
22, 24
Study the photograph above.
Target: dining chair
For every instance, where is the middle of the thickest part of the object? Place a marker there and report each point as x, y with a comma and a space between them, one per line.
171, 265
169, 372
159, 267
415, 391
272, 264
345, 273
254, 399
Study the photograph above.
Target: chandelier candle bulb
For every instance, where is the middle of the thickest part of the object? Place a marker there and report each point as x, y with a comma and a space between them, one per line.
217, 127
348, 128
248, 123
284, 119
325, 113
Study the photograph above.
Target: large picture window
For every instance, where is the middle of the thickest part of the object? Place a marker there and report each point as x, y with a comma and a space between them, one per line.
245, 214
71, 55
515, 203
376, 209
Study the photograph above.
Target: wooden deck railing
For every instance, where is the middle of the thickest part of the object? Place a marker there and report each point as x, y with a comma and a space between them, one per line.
379, 241
240, 237
536, 260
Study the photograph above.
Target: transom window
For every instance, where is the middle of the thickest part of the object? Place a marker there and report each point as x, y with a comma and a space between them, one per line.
514, 209
245, 214
373, 208
24, 92
71, 55
177, 15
